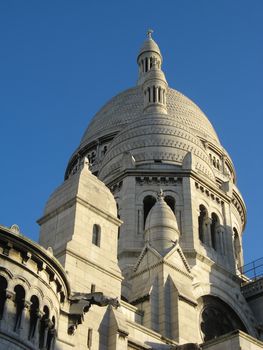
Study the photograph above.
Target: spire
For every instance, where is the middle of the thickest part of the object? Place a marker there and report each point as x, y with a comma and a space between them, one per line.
151, 76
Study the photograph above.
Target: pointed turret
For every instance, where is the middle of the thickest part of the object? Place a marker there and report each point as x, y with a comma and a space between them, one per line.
151, 77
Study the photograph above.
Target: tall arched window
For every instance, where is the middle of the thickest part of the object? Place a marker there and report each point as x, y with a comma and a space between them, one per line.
96, 235
3, 286
214, 225
202, 222
20, 303
170, 201
34, 310
148, 203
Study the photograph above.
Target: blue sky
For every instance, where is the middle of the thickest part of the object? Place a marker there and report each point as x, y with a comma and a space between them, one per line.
60, 61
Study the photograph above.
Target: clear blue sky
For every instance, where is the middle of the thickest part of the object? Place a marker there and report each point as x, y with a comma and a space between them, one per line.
60, 61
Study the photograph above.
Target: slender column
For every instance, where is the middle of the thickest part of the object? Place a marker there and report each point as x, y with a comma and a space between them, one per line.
151, 94
35, 335
207, 238
8, 319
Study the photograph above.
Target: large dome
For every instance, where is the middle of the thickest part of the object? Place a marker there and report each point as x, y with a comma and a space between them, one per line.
182, 128
127, 106
155, 139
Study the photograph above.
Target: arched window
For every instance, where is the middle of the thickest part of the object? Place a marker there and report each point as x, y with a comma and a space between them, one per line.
148, 203
3, 286
214, 225
202, 223
96, 235
43, 327
170, 201
34, 310
237, 248
20, 303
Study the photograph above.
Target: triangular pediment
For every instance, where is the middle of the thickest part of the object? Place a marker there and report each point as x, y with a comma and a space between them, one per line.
176, 258
150, 257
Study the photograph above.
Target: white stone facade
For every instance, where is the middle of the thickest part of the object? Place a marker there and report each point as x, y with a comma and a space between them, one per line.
141, 246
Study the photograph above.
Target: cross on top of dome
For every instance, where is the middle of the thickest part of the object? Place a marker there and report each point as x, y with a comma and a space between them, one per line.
149, 33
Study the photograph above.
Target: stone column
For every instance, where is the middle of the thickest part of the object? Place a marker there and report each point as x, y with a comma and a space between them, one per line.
8, 320
207, 232
34, 337
23, 324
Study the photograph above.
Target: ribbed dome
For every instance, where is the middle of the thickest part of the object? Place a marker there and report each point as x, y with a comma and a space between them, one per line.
149, 45
127, 106
161, 229
161, 216
155, 139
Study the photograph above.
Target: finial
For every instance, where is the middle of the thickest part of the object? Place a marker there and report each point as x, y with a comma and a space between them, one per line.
149, 33
160, 195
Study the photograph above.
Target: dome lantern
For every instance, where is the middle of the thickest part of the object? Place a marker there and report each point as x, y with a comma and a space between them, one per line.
147, 53
151, 77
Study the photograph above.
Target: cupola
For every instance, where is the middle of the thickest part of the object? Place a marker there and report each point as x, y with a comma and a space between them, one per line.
152, 78
149, 51
161, 229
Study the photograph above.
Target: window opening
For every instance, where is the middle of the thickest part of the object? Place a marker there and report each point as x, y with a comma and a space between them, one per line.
96, 235
148, 203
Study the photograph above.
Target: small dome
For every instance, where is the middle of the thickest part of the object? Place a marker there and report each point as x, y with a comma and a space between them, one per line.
161, 229
149, 46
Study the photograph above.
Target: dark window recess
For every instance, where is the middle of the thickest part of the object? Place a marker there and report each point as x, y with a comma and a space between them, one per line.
148, 203
96, 235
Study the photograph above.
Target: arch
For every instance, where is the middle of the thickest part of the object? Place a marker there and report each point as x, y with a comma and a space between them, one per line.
148, 203
96, 235
6, 273
37, 291
21, 280
20, 303
217, 318
228, 297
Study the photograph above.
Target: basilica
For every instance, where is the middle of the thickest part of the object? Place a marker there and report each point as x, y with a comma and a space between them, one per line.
140, 247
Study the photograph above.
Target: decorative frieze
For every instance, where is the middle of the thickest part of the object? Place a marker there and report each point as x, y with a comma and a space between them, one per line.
208, 193
158, 180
